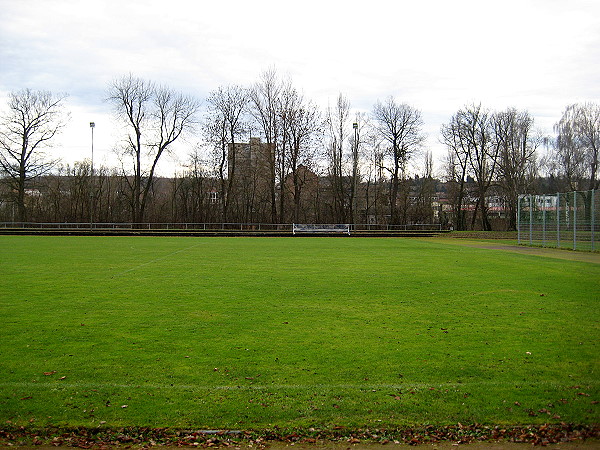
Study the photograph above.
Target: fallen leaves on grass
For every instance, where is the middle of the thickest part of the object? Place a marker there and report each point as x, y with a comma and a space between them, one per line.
141, 436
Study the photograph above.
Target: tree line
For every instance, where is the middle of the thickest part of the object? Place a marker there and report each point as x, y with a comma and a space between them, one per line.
298, 162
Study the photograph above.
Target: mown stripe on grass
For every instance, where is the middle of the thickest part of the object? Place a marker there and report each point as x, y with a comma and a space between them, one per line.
160, 258
251, 387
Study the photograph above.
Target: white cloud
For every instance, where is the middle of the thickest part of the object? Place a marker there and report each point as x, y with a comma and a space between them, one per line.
437, 55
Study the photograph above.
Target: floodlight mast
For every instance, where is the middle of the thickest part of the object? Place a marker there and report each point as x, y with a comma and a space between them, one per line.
92, 126
355, 175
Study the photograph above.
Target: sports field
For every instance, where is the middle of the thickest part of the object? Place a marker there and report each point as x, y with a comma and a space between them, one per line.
250, 333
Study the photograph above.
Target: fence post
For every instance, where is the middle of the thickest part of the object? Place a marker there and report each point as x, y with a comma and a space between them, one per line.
558, 220
593, 211
530, 219
574, 220
519, 219
544, 222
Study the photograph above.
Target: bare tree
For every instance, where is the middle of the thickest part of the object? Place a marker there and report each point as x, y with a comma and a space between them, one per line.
483, 157
374, 195
224, 126
576, 150
288, 123
469, 137
361, 127
302, 130
424, 186
516, 142
456, 167
286, 105
78, 201
337, 121
578, 144
33, 119
191, 190
131, 99
265, 108
400, 127
155, 117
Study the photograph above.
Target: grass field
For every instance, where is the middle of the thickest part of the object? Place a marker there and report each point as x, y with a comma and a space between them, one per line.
244, 333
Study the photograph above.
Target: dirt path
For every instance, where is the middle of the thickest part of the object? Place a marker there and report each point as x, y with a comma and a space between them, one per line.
569, 255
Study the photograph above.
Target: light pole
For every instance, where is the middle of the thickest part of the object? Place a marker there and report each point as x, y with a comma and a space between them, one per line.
92, 126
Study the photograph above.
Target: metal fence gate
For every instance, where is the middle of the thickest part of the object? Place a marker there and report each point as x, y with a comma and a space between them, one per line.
563, 220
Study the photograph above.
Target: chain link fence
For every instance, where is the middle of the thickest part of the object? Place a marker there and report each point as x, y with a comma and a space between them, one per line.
562, 220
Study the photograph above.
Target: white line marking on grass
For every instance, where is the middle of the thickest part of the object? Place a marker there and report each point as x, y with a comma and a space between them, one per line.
265, 387
155, 260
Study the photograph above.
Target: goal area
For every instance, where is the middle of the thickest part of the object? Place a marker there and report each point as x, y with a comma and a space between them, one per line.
312, 228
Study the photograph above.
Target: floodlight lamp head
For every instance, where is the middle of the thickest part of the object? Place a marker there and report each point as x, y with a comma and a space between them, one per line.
92, 124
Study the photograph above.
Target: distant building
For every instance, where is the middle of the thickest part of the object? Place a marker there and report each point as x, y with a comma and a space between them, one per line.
302, 192
250, 160
251, 172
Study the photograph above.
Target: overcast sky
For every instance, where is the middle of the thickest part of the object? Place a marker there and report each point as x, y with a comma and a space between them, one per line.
436, 55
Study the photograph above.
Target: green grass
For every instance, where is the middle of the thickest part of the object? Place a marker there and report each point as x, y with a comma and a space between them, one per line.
255, 332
